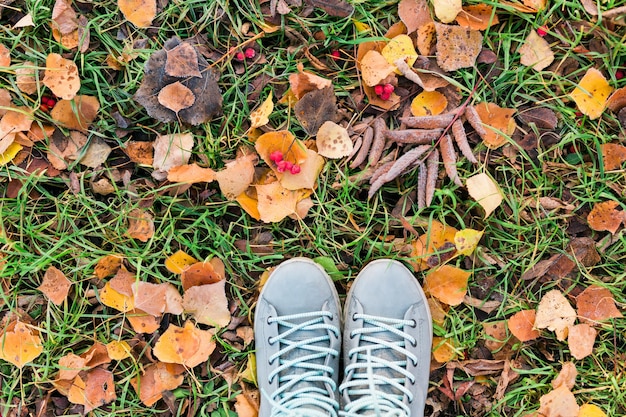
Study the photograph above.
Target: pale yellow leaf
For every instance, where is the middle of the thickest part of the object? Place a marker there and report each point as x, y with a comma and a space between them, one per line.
446, 10
400, 47
555, 313
466, 241
536, 52
485, 191
260, 116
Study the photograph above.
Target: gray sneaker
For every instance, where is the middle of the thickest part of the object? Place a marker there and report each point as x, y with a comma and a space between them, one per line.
297, 338
387, 341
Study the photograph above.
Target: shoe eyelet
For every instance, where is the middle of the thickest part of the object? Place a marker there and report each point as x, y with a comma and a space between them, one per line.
414, 325
414, 343
352, 335
269, 341
268, 320
354, 317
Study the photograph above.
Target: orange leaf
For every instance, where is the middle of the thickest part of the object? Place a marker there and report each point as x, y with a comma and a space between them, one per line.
592, 93
447, 283
477, 17
496, 335
613, 155
5, 56
140, 225
176, 97
70, 365
140, 152
76, 114
118, 350
156, 379
499, 119
237, 176
304, 82
107, 265
596, 304
603, 216
275, 202
250, 205
375, 68
157, 299
431, 247
244, 407
208, 304
293, 149
522, 323
61, 77
99, 388
186, 345
580, 340
200, 273
96, 355
443, 350
138, 12
178, 262
55, 285
142, 322
190, 174
19, 344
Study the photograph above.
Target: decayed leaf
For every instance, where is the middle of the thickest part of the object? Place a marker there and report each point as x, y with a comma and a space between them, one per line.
555, 313
536, 52
176, 96
457, 47
522, 325
25, 77
447, 10
414, 14
275, 202
485, 191
202, 273
400, 47
260, 116
140, 152
496, 335
433, 247
447, 283
107, 265
333, 141
5, 56
437, 311
466, 241
443, 350
604, 216
613, 155
118, 350
428, 103
315, 108
156, 379
140, 225
76, 114
590, 410
477, 17
188, 345
92, 389
596, 304
182, 61
157, 299
426, 38
580, 340
179, 261
96, 153
592, 93
140, 13
191, 173
617, 100
566, 377
303, 82
237, 176
310, 170
558, 403
171, 151
500, 120
61, 77
20, 344
375, 68
55, 285
208, 303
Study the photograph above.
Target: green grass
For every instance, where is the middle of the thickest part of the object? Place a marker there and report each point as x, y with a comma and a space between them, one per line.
48, 225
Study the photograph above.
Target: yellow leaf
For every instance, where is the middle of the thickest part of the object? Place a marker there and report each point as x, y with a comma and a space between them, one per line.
188, 345
466, 241
447, 284
590, 410
400, 47
118, 350
177, 262
138, 12
446, 10
309, 171
428, 103
485, 191
249, 374
275, 202
360, 26
260, 116
20, 344
111, 298
10, 153
592, 93
443, 350
333, 141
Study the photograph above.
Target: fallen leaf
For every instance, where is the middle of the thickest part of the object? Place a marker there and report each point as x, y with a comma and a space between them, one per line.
5, 101
260, 116
292, 149
244, 407
140, 13
237, 176
171, 151
477, 17
447, 10
333, 141
428, 103
76, 114
188, 345
315, 108
437, 311
182, 61
118, 350
303, 82
498, 121
536, 52
604, 216
143, 322
457, 47
535, 5
617, 100
10, 152
24, 22
140, 225
99, 389
17, 119
176, 96
155, 379
613, 155
140, 152
590, 410
522, 325
375, 68
275, 202
191, 173
443, 350
20, 344
467, 240
208, 303
55, 285
114, 299
5, 56
496, 335
157, 299
337, 8
485, 191
310, 170
178, 262
592, 93
95, 154
414, 14
64, 18
61, 77
433, 247
72, 147
25, 77
426, 38
566, 377
70, 365
580, 340
558, 403
580, 250
400, 47
107, 265
555, 313
202, 273
447, 284
596, 304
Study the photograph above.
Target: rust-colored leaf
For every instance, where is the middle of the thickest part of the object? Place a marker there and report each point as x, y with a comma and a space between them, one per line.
303, 82
188, 345
76, 114
566, 377
447, 283
499, 122
140, 225
613, 155
496, 335
176, 96
191, 173
522, 325
55, 285
156, 379
477, 17
157, 299
434, 246
61, 77
443, 350
108, 265
596, 304
201, 273
604, 216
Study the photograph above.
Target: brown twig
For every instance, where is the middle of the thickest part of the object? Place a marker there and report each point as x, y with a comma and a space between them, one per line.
378, 142
414, 136
366, 144
449, 159
429, 122
432, 170
458, 131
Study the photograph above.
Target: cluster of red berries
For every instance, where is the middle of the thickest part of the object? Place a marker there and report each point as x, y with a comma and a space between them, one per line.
248, 53
384, 91
47, 103
282, 165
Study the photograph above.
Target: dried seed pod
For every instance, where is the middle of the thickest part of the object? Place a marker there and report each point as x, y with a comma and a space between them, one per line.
378, 179
449, 159
474, 120
461, 140
358, 142
432, 170
421, 185
405, 162
366, 144
378, 142
429, 122
414, 136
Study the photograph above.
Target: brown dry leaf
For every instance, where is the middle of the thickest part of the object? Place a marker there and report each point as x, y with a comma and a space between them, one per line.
303, 82
99, 389
5, 56
496, 335
522, 325
617, 100
447, 10
457, 47
71, 365
447, 283
604, 216
72, 146
140, 225
55, 285
555, 313
580, 340
596, 304
182, 61
201, 273
178, 262
485, 191
535, 5
592, 93
118, 350
208, 303
143, 322
498, 122
64, 18
176, 96
414, 14
95, 154
333, 141
5, 101
108, 265
437, 311
433, 247
428, 103
25, 77
310, 170
16, 119
156, 379
191, 173
139, 152
315, 108
293, 149
613, 155
61, 77
237, 176
157, 299
558, 403
140, 13
171, 151
244, 407
260, 116
188, 345
477, 17
443, 350
536, 52
246, 333
375, 68
566, 377
76, 114
20, 344
275, 202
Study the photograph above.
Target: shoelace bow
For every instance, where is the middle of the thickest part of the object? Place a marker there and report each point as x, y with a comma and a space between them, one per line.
365, 383
288, 401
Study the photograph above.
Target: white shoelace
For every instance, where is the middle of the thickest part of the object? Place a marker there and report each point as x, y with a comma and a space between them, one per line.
309, 400
371, 390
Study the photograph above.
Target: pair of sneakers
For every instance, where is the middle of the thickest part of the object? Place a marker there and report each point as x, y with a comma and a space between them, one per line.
387, 337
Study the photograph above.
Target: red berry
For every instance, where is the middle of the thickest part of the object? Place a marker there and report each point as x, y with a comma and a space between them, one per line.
43, 107
288, 165
249, 53
619, 74
281, 166
276, 156
335, 55
295, 169
542, 31
379, 89
239, 56
385, 96
388, 88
